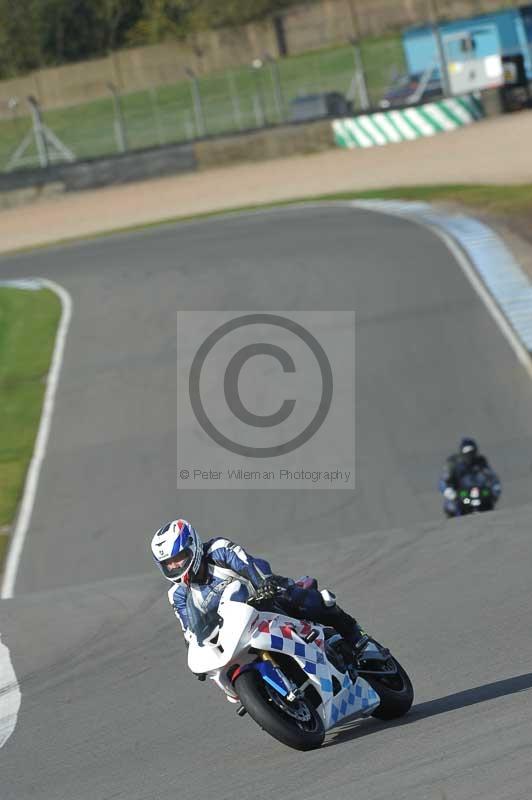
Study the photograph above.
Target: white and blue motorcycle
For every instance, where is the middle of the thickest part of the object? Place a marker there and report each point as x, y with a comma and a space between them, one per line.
296, 679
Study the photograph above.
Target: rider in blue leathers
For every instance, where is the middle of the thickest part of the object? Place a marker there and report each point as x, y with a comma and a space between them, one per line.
203, 570
460, 465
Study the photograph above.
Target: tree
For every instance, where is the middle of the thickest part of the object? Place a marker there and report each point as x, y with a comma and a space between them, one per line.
21, 25
38, 33
214, 14
176, 18
161, 19
116, 18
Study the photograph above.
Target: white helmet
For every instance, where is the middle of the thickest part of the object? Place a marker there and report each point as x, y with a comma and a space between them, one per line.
177, 550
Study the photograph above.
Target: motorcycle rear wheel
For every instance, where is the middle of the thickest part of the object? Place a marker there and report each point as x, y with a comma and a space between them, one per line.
396, 693
306, 733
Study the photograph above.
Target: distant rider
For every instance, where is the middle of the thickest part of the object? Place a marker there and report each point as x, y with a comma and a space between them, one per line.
204, 570
460, 465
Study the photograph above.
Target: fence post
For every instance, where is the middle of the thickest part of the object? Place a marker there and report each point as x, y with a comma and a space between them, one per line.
235, 102
258, 111
119, 125
277, 87
188, 125
156, 114
196, 99
256, 66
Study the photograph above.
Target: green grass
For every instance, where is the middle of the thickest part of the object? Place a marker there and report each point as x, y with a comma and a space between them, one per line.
504, 201
28, 322
165, 114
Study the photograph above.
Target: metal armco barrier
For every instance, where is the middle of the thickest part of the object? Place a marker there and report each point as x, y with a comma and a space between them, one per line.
407, 124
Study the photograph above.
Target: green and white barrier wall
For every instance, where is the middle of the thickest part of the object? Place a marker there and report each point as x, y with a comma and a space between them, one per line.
407, 124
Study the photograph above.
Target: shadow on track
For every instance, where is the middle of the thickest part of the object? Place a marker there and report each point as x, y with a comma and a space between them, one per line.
432, 708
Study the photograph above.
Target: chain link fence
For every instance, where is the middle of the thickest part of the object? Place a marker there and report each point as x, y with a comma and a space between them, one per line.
260, 94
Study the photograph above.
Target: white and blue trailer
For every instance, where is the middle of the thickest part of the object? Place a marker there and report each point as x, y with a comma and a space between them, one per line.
507, 34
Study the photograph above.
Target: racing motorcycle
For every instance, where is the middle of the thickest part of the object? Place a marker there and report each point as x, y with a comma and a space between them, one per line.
296, 679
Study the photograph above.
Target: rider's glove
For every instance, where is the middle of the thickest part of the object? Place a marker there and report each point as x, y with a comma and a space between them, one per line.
449, 493
272, 586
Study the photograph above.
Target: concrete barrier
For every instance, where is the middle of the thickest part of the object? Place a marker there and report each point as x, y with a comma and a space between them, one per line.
27, 185
285, 140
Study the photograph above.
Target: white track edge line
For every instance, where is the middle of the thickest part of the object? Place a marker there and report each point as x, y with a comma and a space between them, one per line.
39, 451
465, 263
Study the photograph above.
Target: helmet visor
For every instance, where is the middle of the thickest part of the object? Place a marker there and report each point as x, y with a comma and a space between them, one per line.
178, 565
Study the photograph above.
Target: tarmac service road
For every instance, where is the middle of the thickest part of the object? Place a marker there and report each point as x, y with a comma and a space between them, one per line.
108, 708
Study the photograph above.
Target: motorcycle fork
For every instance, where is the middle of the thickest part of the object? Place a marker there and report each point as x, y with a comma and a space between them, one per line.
292, 694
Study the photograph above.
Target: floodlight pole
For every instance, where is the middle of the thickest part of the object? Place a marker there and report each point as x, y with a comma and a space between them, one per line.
40, 139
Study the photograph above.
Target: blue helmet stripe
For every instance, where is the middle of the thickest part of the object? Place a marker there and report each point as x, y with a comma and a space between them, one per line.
181, 542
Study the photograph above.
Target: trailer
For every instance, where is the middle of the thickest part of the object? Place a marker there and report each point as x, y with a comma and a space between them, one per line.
487, 51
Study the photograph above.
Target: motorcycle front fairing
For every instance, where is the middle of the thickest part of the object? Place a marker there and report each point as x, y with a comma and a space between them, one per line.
219, 637
342, 696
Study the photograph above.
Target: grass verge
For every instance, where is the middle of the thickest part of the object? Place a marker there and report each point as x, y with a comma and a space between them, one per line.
510, 205
4, 539
497, 200
28, 323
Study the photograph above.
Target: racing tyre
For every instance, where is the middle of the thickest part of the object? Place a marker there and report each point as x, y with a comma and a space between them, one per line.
395, 691
296, 724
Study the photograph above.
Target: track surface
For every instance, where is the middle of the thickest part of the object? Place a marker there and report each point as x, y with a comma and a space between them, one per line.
108, 709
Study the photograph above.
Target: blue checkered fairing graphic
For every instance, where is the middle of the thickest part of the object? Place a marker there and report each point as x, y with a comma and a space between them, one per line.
352, 699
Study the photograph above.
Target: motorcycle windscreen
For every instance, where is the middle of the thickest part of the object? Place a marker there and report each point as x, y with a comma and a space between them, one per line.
203, 622
474, 479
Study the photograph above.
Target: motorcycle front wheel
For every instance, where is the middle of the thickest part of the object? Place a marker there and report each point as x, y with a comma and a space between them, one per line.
395, 691
296, 724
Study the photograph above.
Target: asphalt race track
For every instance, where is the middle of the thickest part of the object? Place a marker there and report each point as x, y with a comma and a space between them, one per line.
108, 708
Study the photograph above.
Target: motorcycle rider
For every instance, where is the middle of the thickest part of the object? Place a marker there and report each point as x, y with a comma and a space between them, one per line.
457, 467
205, 569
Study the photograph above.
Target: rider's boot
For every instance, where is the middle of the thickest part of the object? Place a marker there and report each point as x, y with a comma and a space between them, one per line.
347, 627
